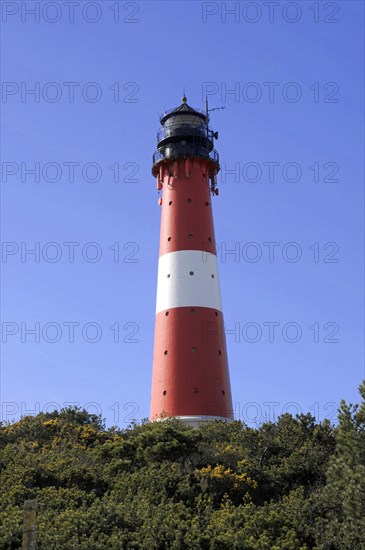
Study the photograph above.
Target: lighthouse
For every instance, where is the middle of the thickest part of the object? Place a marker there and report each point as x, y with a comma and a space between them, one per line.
190, 377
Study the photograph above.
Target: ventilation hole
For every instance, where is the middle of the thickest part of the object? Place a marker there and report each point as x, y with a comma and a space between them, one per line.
165, 352
169, 238
192, 310
207, 203
170, 203
193, 349
219, 352
190, 236
164, 392
223, 392
190, 200
210, 239
168, 275
216, 313
212, 276
167, 313
191, 272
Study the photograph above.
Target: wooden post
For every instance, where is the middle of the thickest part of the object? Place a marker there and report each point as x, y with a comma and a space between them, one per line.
29, 525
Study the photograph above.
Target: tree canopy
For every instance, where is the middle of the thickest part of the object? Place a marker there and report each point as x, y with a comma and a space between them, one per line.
290, 484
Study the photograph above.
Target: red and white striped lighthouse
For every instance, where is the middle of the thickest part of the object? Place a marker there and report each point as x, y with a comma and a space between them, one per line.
190, 369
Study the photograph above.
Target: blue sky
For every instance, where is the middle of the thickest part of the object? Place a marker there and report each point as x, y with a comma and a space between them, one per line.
292, 129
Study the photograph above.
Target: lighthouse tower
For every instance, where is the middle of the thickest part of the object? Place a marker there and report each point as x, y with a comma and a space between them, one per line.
190, 369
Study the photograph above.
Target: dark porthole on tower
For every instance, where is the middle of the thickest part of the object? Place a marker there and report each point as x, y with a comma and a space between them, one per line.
192, 310
219, 352
170, 203
169, 238
167, 313
191, 272
165, 352
223, 392
190, 200
164, 392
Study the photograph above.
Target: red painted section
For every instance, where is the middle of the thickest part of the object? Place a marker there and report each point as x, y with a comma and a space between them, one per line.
186, 218
190, 373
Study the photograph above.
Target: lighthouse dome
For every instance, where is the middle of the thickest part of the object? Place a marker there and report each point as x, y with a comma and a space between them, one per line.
185, 133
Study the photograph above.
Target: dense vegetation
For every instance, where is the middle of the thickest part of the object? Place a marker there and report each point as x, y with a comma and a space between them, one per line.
293, 484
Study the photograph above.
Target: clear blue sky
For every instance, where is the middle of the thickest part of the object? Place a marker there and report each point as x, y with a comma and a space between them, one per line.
311, 115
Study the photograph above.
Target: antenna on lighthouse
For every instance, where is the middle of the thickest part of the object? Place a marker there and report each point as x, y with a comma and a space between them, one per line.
217, 109
207, 119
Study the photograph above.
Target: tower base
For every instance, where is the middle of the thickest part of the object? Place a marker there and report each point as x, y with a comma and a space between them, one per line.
195, 421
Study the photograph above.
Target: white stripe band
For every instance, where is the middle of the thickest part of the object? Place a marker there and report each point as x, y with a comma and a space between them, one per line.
188, 278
